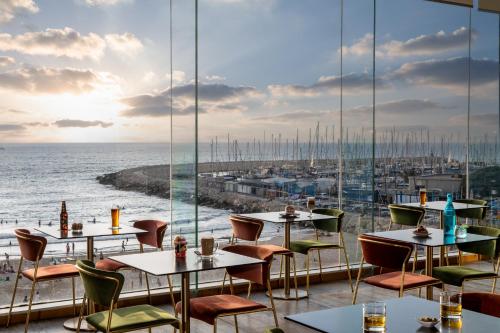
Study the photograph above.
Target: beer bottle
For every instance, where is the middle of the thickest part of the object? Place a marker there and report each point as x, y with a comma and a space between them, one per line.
63, 219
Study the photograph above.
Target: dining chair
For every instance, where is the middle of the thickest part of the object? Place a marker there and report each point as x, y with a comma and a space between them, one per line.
472, 213
333, 225
103, 288
153, 238
409, 217
211, 308
32, 248
486, 303
250, 229
394, 256
457, 275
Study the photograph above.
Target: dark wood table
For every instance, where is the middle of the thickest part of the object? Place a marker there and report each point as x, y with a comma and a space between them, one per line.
89, 231
275, 217
436, 239
401, 318
165, 263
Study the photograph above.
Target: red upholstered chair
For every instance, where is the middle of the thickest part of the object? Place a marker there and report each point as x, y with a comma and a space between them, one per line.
249, 229
394, 256
486, 303
32, 248
154, 238
210, 308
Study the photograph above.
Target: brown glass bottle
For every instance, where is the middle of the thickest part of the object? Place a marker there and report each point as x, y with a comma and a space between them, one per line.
63, 219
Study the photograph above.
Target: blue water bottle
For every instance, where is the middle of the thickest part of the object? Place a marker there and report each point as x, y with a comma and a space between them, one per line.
449, 217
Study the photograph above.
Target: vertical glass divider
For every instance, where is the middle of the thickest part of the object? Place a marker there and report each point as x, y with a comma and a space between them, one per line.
171, 131
341, 150
373, 113
469, 63
196, 130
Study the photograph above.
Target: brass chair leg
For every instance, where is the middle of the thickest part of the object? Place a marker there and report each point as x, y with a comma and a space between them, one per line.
281, 271
236, 324
171, 289
295, 277
147, 287
223, 283
348, 268
307, 274
249, 289
14, 292
74, 296
272, 302
33, 285
320, 267
360, 269
80, 317
215, 325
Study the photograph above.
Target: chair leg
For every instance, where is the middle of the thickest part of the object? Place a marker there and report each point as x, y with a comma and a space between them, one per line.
348, 268
33, 285
271, 299
171, 289
295, 277
215, 325
147, 286
223, 283
74, 296
415, 258
236, 324
307, 274
14, 292
80, 317
360, 269
281, 271
320, 267
249, 289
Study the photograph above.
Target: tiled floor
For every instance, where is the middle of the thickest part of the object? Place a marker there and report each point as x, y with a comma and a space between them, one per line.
322, 296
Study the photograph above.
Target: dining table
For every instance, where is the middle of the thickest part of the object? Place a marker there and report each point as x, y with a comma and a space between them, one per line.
287, 221
89, 232
166, 263
401, 317
435, 238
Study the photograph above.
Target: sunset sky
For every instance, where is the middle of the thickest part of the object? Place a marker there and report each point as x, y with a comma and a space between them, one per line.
99, 70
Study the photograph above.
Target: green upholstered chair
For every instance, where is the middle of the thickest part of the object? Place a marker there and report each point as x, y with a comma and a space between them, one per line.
103, 288
457, 275
407, 217
275, 330
306, 246
474, 214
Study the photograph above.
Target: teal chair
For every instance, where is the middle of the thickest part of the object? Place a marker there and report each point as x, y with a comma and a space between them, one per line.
306, 246
474, 214
103, 288
457, 275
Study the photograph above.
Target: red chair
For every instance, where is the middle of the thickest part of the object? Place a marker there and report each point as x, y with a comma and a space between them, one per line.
486, 303
32, 248
211, 308
394, 256
250, 229
154, 238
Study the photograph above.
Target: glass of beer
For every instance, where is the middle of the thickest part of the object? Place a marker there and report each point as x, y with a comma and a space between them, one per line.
423, 197
374, 317
451, 312
208, 247
311, 203
115, 217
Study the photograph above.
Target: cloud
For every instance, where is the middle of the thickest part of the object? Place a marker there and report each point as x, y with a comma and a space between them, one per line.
81, 123
15, 111
400, 107
177, 77
449, 73
46, 80
297, 115
69, 43
477, 120
37, 124
422, 45
212, 98
11, 128
126, 43
12, 8
102, 3
352, 83
6, 61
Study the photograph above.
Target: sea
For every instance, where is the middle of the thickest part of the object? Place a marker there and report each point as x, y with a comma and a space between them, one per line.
35, 178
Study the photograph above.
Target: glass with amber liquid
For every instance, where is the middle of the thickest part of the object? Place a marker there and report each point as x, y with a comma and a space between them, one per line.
451, 312
423, 197
374, 317
115, 217
311, 204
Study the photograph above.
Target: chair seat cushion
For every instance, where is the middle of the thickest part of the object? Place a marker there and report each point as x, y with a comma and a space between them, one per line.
132, 318
208, 308
51, 272
455, 275
109, 265
392, 280
303, 246
276, 249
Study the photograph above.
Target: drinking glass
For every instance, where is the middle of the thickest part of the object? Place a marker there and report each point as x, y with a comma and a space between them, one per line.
451, 312
423, 197
374, 315
311, 203
115, 217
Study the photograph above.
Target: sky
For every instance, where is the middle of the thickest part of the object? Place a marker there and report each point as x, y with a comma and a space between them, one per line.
99, 70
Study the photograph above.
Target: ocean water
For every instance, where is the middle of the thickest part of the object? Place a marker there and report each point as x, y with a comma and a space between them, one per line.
35, 178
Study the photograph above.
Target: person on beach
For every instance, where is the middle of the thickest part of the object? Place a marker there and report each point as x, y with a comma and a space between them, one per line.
73, 248
67, 249
123, 246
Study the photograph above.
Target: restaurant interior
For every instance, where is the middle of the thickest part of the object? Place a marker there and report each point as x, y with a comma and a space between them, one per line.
260, 166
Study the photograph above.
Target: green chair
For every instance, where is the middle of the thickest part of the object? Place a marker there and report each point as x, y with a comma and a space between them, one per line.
103, 288
332, 225
458, 275
474, 214
275, 330
407, 216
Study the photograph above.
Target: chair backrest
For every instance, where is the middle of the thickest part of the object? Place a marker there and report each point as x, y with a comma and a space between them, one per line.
31, 246
246, 228
101, 287
258, 273
473, 213
156, 231
488, 248
384, 252
333, 225
409, 216
486, 303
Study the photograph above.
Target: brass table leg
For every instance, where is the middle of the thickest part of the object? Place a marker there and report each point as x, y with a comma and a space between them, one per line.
185, 311
428, 269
